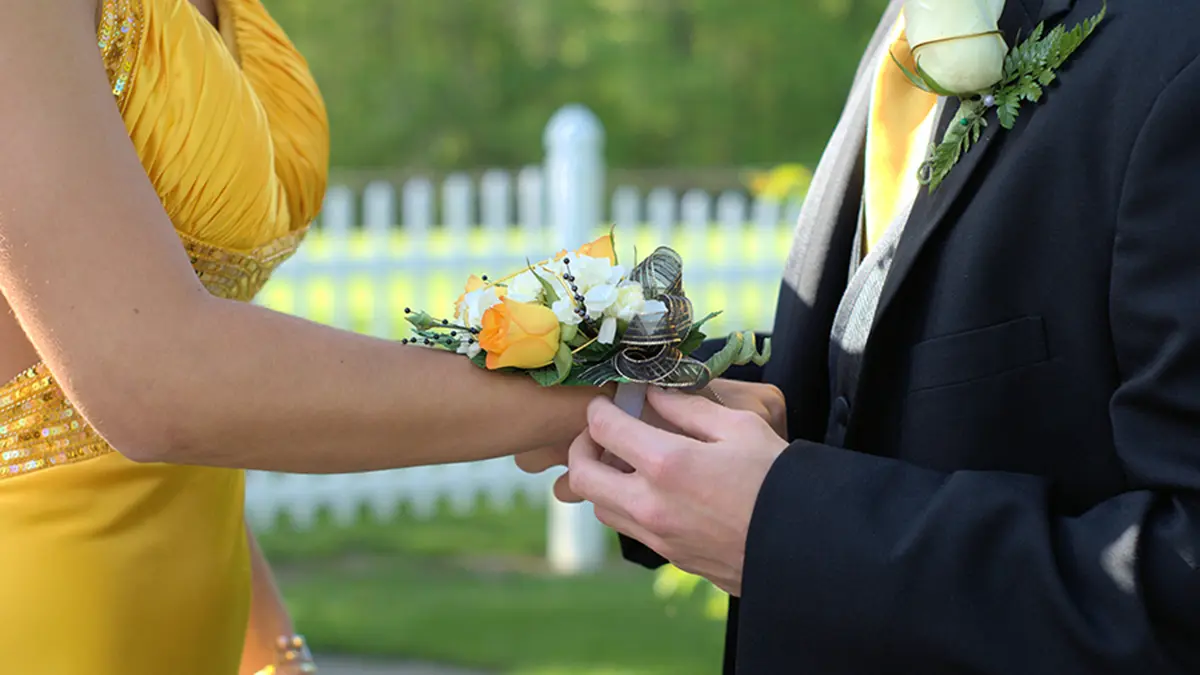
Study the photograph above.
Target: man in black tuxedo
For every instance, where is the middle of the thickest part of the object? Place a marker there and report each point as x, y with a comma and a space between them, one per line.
1001, 474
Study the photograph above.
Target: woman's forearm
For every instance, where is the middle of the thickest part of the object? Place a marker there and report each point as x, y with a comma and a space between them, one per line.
94, 272
241, 386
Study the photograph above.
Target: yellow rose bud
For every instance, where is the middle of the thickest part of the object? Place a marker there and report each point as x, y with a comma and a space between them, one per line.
600, 248
957, 42
473, 284
519, 335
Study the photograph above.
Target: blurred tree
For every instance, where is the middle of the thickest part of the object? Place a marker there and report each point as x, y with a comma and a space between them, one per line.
683, 83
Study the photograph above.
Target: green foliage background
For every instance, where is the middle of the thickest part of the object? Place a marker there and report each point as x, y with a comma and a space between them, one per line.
454, 84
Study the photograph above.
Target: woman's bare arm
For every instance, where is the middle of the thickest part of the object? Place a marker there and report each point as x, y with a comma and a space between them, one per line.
98, 280
269, 617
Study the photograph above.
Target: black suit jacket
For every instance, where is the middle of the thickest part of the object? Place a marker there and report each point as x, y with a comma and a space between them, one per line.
1020, 489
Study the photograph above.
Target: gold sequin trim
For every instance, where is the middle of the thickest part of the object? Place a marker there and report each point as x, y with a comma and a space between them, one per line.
237, 275
39, 428
120, 38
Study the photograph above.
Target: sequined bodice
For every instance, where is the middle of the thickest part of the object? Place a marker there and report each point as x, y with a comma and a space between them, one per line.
232, 133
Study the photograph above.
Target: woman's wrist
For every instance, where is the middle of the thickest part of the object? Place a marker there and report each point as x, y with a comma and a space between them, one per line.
292, 657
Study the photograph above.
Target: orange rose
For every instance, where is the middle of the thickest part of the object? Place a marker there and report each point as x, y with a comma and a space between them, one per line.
600, 248
519, 335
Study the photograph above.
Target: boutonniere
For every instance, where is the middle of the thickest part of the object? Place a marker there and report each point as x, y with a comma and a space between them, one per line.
958, 51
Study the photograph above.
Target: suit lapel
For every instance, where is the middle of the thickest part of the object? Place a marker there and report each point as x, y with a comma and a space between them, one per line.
930, 210
815, 276
830, 195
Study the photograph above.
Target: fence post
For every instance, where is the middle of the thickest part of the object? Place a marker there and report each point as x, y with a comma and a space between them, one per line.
574, 176
574, 142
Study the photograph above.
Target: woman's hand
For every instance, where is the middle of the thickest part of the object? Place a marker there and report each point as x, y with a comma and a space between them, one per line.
269, 630
764, 400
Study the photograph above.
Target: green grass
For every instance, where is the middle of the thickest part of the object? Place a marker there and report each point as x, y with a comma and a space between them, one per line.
518, 531
474, 591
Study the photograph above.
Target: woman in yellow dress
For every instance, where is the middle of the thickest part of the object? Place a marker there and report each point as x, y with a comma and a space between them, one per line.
160, 159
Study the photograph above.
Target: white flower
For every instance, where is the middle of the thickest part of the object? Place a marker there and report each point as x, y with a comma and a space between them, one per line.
473, 350
598, 299
475, 303
465, 340
564, 309
608, 331
629, 303
525, 287
588, 272
957, 43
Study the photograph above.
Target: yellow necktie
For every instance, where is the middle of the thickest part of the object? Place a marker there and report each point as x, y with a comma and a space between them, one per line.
898, 127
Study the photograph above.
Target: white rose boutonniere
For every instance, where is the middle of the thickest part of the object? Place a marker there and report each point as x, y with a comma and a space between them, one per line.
957, 43
958, 51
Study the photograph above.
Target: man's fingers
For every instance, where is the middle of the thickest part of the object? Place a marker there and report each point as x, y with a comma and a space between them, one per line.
615, 462
593, 479
563, 491
627, 526
640, 445
695, 416
537, 461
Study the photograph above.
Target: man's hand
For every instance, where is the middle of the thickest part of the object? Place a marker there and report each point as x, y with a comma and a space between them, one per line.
689, 498
763, 400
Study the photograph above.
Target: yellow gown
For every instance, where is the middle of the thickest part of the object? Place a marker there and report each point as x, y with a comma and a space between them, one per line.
108, 567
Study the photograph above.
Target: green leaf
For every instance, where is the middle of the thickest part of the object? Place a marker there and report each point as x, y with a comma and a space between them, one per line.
1007, 107
594, 353
421, 320
595, 376
693, 341
700, 324
564, 360
569, 333
932, 83
723, 360
964, 130
546, 377
573, 380
696, 336
763, 356
1028, 88
480, 359
739, 350
912, 77
547, 287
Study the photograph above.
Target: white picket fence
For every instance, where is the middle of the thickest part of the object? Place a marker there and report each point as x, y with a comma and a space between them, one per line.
375, 253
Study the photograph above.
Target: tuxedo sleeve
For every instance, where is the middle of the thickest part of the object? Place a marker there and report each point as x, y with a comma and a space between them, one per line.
633, 550
862, 564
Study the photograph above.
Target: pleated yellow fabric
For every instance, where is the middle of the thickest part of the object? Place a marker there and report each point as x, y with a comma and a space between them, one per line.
116, 568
